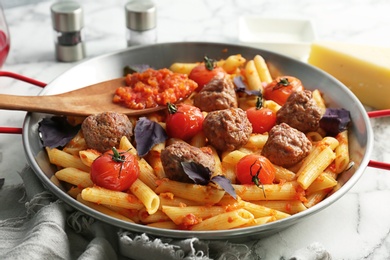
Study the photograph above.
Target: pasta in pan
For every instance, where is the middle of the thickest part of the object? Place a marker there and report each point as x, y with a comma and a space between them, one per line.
157, 201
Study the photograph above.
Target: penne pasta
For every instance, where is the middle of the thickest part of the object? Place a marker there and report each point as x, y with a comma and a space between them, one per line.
316, 197
323, 181
74, 176
206, 194
218, 164
103, 209
314, 137
146, 218
74, 192
317, 97
113, 198
287, 206
262, 69
126, 145
252, 77
246, 102
229, 171
256, 142
263, 211
285, 191
227, 220
164, 225
233, 157
153, 158
271, 105
168, 199
63, 159
342, 152
55, 180
88, 156
260, 221
146, 195
183, 68
199, 140
307, 174
147, 174
283, 174
128, 213
76, 144
186, 215
232, 63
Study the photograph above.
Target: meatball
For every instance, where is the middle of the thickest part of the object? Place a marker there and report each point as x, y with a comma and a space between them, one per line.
173, 155
227, 129
300, 112
286, 146
104, 131
218, 94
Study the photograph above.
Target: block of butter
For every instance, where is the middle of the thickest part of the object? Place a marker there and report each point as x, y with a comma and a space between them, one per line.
363, 69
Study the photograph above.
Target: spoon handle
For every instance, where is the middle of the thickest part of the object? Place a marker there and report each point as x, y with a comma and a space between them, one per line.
47, 104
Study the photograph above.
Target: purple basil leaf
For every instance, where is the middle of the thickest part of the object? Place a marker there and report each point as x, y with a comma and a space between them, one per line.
335, 120
225, 184
56, 131
197, 172
241, 87
147, 134
135, 68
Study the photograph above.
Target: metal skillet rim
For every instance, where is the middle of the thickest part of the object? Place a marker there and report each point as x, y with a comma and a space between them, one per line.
240, 233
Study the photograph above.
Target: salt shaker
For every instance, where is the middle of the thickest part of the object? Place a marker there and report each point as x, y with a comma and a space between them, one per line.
141, 22
68, 23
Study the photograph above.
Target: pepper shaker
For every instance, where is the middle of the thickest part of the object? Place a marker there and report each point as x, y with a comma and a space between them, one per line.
68, 23
141, 22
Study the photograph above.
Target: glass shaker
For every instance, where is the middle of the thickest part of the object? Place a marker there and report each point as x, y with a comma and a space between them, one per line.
68, 23
141, 22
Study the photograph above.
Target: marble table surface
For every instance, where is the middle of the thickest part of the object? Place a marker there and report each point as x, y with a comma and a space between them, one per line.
355, 227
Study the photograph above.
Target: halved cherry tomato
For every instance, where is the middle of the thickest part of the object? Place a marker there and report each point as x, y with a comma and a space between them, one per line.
281, 88
204, 72
255, 169
261, 118
183, 121
115, 170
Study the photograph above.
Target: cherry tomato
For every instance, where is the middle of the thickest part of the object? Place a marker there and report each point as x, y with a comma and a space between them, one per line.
184, 121
255, 169
262, 119
204, 72
115, 170
281, 88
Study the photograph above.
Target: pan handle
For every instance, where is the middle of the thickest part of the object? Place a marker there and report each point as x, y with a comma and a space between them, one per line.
16, 130
377, 114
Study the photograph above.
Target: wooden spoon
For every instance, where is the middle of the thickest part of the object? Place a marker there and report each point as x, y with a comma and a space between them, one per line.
85, 101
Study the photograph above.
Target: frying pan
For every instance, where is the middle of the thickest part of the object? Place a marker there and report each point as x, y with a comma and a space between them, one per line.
163, 55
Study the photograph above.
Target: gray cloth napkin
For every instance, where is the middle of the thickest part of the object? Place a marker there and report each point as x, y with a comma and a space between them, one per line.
35, 225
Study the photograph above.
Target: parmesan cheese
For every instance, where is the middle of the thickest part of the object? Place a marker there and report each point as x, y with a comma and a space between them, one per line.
365, 70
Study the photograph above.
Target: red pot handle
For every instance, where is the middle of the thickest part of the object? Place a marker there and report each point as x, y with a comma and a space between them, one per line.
22, 78
16, 130
376, 114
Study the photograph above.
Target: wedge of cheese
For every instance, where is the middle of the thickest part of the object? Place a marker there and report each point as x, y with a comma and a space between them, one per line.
363, 69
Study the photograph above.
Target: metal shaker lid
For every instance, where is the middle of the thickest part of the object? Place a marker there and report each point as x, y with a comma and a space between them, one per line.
67, 16
140, 15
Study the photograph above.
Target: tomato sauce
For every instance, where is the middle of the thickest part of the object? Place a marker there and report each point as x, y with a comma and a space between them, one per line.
152, 88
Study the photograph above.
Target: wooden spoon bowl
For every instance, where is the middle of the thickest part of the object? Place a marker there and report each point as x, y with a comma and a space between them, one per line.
85, 101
